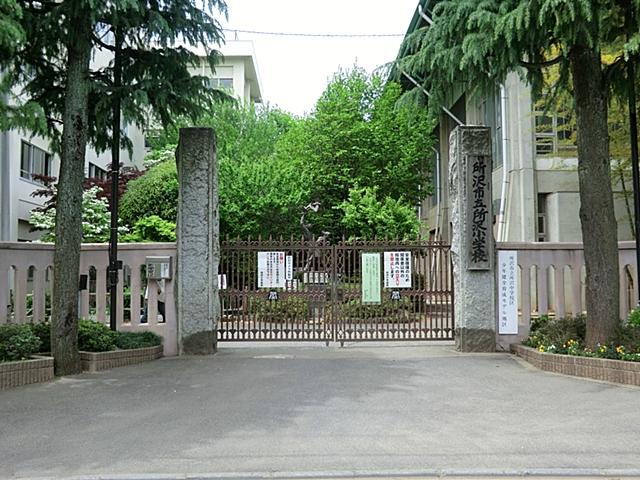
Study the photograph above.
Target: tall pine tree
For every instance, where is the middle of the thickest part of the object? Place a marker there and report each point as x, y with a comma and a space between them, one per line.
69, 100
478, 42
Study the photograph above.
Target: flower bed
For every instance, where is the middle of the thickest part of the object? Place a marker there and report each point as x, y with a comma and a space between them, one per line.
95, 361
24, 372
617, 371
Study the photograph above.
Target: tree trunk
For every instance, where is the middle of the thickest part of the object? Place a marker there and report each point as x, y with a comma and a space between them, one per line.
66, 261
597, 216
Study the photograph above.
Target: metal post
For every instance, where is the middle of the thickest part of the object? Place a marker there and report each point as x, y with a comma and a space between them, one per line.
114, 265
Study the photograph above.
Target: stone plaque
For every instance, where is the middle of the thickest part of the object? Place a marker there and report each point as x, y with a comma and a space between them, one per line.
479, 213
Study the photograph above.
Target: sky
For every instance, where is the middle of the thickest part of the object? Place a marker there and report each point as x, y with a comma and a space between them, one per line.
295, 70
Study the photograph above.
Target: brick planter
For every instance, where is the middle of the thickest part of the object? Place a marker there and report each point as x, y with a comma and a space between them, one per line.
616, 371
96, 361
24, 372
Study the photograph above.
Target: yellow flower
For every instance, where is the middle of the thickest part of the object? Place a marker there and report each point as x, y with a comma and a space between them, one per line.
541, 348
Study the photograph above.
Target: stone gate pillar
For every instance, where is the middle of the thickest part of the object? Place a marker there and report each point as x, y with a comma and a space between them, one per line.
197, 302
473, 245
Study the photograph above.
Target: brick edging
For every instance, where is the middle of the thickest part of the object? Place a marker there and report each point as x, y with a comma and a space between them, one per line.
24, 372
95, 361
616, 371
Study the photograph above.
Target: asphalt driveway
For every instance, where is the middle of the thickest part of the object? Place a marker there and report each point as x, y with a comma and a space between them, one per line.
325, 411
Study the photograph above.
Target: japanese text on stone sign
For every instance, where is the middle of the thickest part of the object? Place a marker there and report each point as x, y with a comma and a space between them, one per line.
479, 214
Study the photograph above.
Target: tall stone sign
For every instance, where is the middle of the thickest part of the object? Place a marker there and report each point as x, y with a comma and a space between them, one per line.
473, 246
197, 301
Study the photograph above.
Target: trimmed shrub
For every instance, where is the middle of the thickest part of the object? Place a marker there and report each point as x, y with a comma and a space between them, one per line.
154, 193
95, 337
389, 309
130, 340
17, 342
547, 331
284, 309
42, 330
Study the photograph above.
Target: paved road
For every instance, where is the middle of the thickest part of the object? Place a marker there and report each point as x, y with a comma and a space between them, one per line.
292, 411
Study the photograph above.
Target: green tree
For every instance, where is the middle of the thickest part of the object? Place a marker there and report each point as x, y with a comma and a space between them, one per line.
154, 193
95, 219
357, 135
367, 216
60, 86
478, 42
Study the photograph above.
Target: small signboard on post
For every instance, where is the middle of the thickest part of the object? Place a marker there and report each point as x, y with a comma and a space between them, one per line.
271, 270
371, 278
508, 292
397, 269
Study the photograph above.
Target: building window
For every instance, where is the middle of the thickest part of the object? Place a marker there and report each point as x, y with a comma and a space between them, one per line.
221, 83
96, 172
33, 162
542, 218
555, 131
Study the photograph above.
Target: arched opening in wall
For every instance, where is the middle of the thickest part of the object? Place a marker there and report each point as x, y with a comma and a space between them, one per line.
92, 286
29, 294
126, 293
143, 294
583, 289
48, 292
11, 301
552, 291
533, 291
628, 288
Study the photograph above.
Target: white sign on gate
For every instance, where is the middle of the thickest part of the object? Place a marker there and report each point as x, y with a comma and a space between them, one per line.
289, 267
271, 270
397, 269
508, 292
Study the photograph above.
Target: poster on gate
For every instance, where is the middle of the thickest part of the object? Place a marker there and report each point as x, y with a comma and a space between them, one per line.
271, 270
371, 278
397, 269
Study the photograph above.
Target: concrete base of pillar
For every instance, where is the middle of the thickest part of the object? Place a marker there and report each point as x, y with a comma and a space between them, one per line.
201, 343
475, 340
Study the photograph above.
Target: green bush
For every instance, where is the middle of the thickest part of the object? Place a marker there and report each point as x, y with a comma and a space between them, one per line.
547, 331
628, 336
634, 317
154, 193
17, 342
391, 309
129, 340
42, 330
151, 229
95, 337
287, 308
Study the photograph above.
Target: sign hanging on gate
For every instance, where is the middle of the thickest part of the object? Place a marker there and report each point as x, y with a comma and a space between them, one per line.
271, 270
508, 292
397, 269
371, 278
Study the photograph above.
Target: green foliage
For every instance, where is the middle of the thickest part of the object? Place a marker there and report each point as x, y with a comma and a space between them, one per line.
11, 33
367, 217
130, 340
634, 317
17, 342
390, 310
42, 330
151, 229
548, 331
286, 308
95, 337
155, 80
154, 193
96, 219
358, 136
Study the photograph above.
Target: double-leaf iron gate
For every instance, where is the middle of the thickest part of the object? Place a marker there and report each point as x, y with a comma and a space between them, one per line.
319, 292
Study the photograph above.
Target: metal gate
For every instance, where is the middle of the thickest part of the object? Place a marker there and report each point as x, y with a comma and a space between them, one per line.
322, 296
